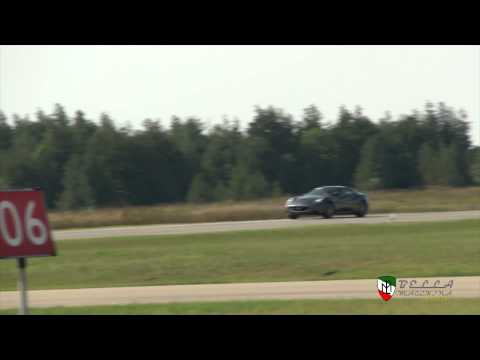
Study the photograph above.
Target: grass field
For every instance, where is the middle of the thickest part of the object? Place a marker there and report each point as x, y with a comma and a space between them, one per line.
322, 252
432, 199
433, 306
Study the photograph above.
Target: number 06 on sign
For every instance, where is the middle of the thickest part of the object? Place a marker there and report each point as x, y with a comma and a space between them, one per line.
24, 230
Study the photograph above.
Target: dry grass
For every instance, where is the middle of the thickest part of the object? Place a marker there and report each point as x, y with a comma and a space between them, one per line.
431, 199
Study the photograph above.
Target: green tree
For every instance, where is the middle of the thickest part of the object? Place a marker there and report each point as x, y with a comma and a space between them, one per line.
429, 165
187, 136
246, 185
368, 174
6, 133
451, 171
275, 154
277, 190
274, 141
350, 133
220, 156
317, 154
60, 117
431, 125
475, 166
77, 192
48, 168
256, 186
102, 166
312, 118
200, 191
82, 130
441, 167
398, 161
18, 163
150, 166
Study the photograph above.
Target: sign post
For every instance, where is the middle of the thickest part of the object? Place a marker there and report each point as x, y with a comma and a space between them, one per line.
22, 285
24, 232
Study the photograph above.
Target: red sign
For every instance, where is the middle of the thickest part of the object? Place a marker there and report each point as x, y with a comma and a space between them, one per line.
24, 228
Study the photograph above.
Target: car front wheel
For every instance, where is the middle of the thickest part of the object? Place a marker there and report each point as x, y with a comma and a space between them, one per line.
292, 216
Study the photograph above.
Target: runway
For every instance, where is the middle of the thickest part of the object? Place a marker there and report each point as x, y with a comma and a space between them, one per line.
196, 228
466, 287
334, 289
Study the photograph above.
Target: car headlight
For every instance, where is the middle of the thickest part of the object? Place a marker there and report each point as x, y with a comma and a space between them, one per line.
319, 200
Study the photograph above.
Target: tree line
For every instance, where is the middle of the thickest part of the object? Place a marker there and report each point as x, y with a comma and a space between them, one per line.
80, 163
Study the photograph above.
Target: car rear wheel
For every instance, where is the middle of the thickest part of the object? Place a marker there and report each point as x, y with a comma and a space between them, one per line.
329, 211
362, 211
292, 216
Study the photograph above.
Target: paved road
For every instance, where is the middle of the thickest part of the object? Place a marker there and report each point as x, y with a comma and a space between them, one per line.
334, 289
259, 224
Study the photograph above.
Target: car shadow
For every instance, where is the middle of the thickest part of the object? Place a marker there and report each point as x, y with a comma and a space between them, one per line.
338, 217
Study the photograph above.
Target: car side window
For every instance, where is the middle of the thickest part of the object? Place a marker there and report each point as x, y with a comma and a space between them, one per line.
347, 192
335, 192
342, 192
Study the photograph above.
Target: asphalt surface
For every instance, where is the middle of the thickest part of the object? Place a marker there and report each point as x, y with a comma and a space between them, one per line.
334, 289
145, 230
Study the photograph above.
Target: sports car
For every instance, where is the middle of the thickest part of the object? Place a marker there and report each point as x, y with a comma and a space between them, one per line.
328, 201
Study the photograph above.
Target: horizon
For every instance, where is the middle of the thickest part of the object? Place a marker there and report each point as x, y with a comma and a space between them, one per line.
135, 83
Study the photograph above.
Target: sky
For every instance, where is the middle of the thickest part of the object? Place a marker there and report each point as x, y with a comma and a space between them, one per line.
132, 83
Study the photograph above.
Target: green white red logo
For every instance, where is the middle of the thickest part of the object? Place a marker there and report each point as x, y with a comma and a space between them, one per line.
386, 286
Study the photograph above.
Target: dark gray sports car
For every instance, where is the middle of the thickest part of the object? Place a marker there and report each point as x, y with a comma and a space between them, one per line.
328, 201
